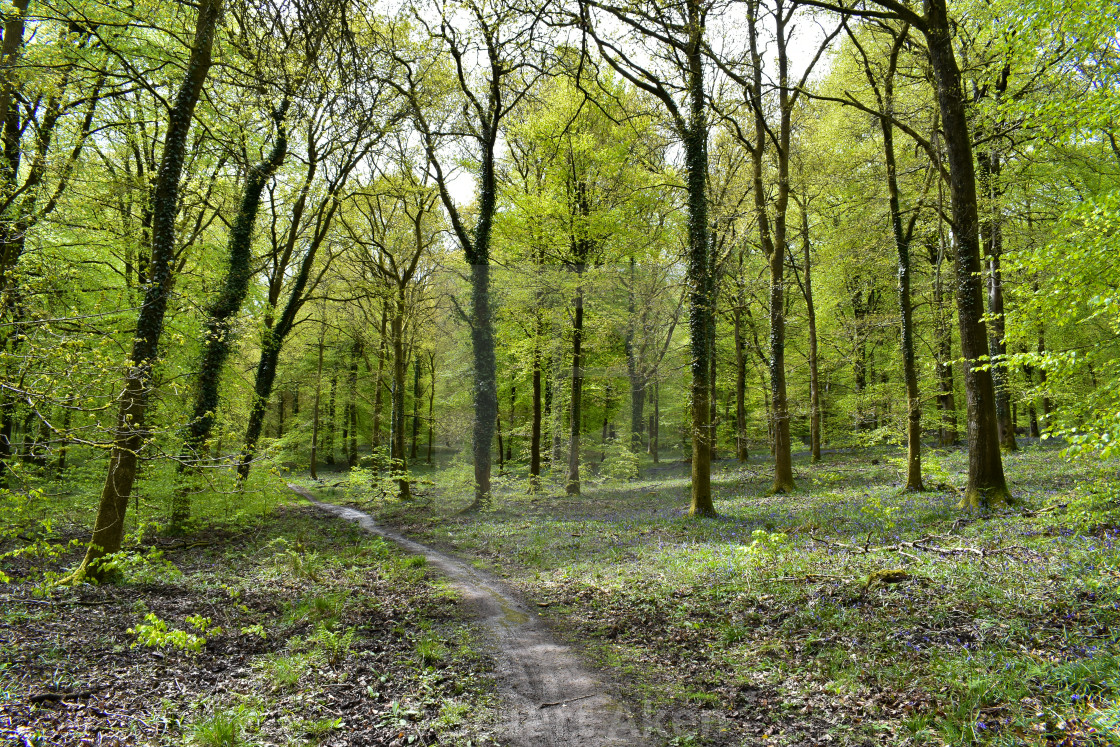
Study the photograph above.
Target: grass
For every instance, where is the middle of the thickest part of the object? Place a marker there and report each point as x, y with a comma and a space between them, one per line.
1003, 632
223, 728
304, 622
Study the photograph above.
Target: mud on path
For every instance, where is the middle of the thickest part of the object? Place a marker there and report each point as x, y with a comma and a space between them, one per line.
550, 697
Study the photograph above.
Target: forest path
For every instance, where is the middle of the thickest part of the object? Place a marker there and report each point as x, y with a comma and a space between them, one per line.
549, 696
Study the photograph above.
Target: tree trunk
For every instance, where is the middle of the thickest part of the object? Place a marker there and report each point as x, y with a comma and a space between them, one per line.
352, 386
906, 308
814, 366
634, 370
1042, 380
282, 402
332, 421
486, 389
741, 451
987, 486
573, 484
130, 433
501, 447
990, 170
379, 384
431, 403
699, 270
774, 247
535, 427
417, 395
655, 422
315, 411
396, 435
512, 406
555, 406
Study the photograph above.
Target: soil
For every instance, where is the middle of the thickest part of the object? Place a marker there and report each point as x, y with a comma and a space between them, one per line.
71, 674
549, 695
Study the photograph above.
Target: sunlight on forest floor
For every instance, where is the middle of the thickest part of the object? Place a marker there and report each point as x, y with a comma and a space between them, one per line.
777, 617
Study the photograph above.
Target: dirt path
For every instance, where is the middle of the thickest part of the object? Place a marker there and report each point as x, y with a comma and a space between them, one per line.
550, 697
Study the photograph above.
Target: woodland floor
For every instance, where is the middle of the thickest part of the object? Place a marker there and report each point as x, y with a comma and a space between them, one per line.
328, 636
846, 613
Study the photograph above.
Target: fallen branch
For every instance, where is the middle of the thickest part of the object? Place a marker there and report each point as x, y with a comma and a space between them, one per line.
569, 700
918, 544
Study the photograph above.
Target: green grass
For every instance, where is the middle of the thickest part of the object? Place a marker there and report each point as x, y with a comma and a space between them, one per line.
223, 728
1015, 646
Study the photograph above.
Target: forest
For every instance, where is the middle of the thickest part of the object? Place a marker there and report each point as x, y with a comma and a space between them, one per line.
548, 372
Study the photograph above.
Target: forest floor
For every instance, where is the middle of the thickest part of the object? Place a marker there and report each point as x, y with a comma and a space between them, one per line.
295, 628
548, 696
846, 613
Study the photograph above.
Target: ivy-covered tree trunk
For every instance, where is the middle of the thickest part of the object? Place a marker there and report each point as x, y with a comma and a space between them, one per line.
699, 271
486, 385
218, 337
272, 342
987, 486
572, 487
906, 308
130, 433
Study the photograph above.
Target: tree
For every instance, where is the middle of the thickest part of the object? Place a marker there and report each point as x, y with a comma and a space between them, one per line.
108, 528
747, 73
987, 486
502, 40
677, 38
394, 223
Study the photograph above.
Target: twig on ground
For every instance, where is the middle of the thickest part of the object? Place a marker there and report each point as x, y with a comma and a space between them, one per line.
569, 700
919, 544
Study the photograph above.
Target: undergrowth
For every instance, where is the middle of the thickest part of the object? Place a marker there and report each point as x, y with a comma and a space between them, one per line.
849, 609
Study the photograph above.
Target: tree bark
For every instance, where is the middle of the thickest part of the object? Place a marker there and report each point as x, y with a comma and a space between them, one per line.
572, 487
987, 486
431, 403
131, 433
512, 409
535, 427
699, 270
416, 397
352, 405
218, 339
396, 419
315, 411
814, 366
332, 421
379, 383
773, 241
905, 306
501, 447
990, 170
634, 370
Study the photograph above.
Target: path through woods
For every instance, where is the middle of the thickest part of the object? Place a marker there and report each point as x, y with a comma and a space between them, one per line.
550, 697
